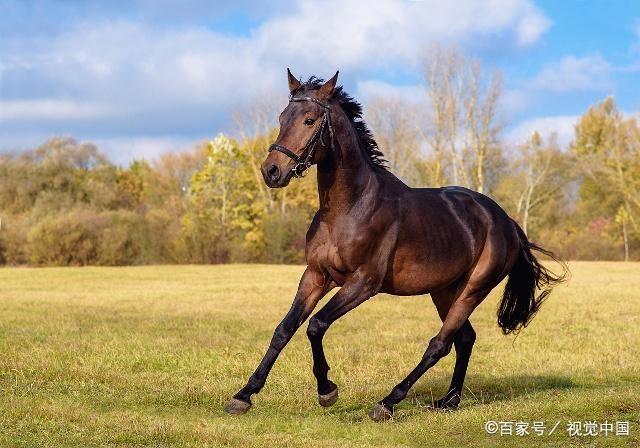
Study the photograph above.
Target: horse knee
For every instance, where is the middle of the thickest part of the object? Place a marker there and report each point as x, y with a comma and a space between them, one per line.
316, 328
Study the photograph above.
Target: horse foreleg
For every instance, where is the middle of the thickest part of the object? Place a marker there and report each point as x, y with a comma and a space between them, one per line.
350, 296
313, 286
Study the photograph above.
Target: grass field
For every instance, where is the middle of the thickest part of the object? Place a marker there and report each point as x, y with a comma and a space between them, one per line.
148, 356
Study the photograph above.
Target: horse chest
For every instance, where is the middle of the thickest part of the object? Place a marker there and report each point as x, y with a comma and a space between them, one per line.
340, 249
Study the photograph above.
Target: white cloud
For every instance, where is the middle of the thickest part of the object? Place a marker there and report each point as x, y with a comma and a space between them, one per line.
573, 73
123, 150
531, 26
562, 125
368, 90
514, 101
380, 33
569, 74
52, 109
122, 78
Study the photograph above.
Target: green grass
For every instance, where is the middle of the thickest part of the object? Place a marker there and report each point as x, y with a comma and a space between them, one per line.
148, 356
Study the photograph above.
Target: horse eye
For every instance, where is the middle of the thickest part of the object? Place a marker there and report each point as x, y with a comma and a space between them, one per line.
309, 121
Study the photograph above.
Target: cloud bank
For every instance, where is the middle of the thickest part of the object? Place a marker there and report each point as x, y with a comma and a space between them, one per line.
124, 78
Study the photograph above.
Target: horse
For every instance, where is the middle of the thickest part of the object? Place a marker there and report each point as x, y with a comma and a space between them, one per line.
374, 234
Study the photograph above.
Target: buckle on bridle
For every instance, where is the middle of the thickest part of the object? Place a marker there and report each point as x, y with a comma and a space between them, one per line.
300, 168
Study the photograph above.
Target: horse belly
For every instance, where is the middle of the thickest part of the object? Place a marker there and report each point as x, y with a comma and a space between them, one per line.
420, 267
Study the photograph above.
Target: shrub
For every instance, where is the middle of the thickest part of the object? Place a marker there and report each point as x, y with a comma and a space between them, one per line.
83, 237
120, 239
13, 237
66, 239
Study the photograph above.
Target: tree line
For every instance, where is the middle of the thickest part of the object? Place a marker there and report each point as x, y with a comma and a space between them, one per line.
64, 203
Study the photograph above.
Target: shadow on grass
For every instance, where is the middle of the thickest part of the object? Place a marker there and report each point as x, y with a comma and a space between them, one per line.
480, 389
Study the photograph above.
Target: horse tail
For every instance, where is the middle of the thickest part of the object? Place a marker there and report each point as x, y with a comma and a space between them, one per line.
519, 302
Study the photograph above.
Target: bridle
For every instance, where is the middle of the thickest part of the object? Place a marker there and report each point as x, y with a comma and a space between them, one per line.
305, 161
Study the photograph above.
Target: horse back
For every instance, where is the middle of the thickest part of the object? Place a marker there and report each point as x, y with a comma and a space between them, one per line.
442, 233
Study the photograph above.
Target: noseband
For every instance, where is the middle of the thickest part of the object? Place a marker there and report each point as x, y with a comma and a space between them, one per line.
304, 160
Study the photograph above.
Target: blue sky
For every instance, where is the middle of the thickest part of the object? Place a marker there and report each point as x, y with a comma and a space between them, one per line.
140, 78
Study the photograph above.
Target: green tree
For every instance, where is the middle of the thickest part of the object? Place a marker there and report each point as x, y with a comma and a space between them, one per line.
215, 203
607, 148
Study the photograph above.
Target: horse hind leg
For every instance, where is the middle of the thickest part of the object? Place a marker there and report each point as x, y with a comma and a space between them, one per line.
484, 279
463, 343
438, 347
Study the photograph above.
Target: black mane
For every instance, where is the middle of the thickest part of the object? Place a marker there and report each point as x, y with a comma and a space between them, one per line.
353, 110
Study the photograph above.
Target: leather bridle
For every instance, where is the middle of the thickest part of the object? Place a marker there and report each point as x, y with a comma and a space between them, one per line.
304, 160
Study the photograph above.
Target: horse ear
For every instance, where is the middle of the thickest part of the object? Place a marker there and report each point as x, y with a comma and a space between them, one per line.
327, 89
293, 82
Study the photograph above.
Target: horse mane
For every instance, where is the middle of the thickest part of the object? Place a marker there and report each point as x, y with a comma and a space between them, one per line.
353, 111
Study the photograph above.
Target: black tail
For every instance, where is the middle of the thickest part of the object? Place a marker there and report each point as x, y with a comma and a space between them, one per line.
519, 303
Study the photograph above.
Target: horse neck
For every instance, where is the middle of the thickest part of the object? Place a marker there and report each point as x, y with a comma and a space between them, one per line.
343, 179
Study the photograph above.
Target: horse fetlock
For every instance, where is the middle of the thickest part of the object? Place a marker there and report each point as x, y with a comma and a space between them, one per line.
449, 402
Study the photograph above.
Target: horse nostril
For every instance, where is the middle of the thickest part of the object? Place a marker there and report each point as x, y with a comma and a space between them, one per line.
273, 172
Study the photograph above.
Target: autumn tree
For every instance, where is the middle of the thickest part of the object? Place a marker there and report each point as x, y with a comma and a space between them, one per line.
395, 124
536, 177
213, 203
463, 130
607, 148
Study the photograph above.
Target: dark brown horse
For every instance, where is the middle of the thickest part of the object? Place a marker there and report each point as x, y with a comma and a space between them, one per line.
374, 234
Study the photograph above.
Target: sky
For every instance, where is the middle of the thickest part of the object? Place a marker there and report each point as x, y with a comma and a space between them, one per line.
140, 78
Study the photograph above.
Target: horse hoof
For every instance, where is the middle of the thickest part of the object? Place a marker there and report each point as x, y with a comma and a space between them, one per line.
329, 399
237, 407
380, 413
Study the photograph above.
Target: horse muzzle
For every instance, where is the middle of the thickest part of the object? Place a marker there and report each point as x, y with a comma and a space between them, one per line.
275, 176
